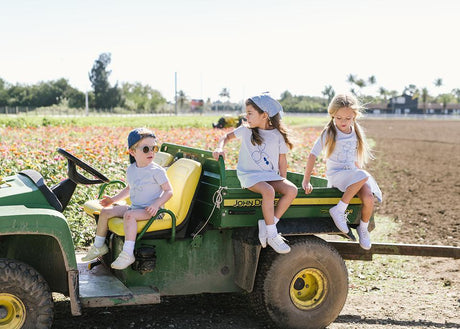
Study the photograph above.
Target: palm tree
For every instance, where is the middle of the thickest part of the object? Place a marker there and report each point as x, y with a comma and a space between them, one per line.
424, 96
438, 82
411, 90
445, 99
351, 79
384, 93
456, 93
225, 93
329, 93
181, 98
372, 80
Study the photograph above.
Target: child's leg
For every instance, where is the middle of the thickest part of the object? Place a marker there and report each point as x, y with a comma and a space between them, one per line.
271, 235
130, 218
338, 212
105, 215
352, 190
288, 193
268, 198
366, 196
99, 248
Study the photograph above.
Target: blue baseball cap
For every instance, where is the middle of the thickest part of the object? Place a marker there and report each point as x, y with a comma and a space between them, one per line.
135, 136
267, 104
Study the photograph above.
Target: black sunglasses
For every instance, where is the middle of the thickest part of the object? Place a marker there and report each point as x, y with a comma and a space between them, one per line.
147, 149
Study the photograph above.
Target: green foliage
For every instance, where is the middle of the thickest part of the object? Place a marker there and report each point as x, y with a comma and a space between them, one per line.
41, 94
302, 104
163, 122
141, 98
111, 121
104, 95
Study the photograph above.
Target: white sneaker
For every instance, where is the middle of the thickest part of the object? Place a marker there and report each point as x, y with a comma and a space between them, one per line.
340, 219
278, 244
364, 238
262, 233
95, 252
123, 261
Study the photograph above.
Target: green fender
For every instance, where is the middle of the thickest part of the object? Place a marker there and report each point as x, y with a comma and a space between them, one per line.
40, 237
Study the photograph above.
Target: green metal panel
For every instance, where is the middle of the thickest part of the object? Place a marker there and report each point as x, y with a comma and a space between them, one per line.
186, 266
241, 208
20, 190
42, 252
21, 220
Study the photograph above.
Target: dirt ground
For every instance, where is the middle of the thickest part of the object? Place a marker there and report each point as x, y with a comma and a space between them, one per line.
418, 170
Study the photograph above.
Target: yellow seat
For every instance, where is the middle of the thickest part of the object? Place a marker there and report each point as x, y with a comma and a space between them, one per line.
93, 208
184, 175
163, 159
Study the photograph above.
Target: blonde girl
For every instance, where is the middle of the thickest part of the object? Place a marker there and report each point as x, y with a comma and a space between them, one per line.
262, 164
346, 151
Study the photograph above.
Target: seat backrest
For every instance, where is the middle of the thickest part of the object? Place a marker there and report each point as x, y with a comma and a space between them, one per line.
184, 175
163, 159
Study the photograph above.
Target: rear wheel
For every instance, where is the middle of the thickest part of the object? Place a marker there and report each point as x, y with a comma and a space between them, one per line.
25, 297
306, 288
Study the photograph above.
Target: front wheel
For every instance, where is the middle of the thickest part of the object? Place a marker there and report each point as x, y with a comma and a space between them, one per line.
25, 297
306, 288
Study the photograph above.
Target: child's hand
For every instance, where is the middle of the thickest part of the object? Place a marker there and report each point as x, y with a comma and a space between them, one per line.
106, 201
307, 187
152, 209
217, 152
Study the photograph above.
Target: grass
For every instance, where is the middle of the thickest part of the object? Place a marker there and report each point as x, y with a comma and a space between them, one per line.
156, 121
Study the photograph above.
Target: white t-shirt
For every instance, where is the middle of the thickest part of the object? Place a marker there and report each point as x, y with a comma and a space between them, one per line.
258, 163
341, 170
344, 154
145, 184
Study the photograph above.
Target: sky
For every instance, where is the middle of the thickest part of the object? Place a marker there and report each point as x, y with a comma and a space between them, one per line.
246, 46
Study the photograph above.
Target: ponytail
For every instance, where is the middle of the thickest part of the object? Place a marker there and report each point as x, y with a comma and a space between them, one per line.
276, 122
363, 151
331, 134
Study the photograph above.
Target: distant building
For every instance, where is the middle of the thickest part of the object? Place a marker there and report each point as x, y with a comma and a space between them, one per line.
196, 105
403, 104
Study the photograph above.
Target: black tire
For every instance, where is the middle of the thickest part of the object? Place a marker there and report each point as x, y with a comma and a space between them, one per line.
306, 288
25, 298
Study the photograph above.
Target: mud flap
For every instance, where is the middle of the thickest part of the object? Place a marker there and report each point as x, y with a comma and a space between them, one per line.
246, 252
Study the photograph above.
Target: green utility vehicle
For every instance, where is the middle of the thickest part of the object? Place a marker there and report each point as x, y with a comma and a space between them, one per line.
206, 242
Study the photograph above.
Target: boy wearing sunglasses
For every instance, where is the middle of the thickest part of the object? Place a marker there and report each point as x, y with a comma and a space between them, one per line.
148, 188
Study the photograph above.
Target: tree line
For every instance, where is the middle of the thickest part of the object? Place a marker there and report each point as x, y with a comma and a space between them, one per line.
129, 96
140, 98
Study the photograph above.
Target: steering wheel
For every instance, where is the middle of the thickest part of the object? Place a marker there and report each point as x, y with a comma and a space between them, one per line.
73, 161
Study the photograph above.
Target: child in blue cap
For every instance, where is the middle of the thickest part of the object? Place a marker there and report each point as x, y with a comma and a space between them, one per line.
148, 188
262, 164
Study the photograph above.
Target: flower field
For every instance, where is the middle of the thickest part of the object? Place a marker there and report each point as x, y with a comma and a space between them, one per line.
105, 148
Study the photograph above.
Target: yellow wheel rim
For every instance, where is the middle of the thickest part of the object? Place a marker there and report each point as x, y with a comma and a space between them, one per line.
308, 288
12, 311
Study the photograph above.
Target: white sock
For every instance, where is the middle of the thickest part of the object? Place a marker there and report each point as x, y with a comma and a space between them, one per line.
128, 247
342, 206
363, 225
276, 219
99, 241
272, 231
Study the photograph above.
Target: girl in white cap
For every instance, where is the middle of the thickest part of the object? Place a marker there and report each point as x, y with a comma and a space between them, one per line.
262, 164
347, 152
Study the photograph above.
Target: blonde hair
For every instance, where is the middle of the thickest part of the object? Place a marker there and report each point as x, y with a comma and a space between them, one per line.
274, 121
339, 101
